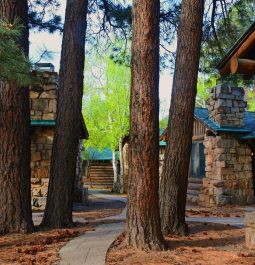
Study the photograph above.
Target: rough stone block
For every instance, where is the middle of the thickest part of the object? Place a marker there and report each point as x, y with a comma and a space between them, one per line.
35, 156
48, 116
40, 105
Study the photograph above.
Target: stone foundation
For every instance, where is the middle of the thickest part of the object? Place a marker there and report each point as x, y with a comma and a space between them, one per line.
250, 230
228, 172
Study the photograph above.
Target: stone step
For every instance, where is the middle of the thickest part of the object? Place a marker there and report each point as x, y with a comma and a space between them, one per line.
100, 169
194, 186
193, 192
100, 165
192, 198
196, 180
98, 186
100, 181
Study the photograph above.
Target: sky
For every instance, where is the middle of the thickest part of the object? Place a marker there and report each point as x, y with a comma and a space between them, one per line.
52, 42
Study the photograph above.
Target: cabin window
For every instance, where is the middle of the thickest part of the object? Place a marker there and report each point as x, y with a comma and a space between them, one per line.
197, 160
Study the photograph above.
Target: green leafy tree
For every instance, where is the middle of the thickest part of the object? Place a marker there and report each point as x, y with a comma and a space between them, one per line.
203, 89
106, 107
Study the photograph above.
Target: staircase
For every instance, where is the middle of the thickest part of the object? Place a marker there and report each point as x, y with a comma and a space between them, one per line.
100, 176
194, 188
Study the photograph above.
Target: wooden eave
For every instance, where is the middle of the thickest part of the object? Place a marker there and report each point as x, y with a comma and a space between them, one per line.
241, 58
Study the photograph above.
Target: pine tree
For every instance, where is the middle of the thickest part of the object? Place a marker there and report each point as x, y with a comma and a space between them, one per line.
15, 199
143, 222
59, 206
14, 65
174, 180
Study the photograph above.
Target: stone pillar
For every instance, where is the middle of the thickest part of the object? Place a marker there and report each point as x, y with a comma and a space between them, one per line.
228, 161
226, 106
250, 230
43, 96
43, 103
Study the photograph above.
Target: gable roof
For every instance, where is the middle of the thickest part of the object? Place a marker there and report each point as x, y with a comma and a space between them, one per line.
246, 132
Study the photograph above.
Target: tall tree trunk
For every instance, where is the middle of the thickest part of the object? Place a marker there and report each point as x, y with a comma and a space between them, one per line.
115, 173
58, 212
15, 187
143, 222
174, 181
121, 175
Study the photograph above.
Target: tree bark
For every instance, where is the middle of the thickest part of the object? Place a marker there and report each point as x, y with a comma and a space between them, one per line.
174, 181
143, 222
121, 175
115, 173
58, 212
15, 186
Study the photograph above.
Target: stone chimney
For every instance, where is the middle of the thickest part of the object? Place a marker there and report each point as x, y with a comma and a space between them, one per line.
43, 96
226, 106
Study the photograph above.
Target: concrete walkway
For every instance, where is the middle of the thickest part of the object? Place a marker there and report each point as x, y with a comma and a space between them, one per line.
235, 221
91, 248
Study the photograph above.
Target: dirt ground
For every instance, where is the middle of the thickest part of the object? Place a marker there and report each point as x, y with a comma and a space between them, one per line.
224, 211
42, 247
207, 244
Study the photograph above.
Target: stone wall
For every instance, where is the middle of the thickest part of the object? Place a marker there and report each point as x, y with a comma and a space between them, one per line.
41, 145
43, 103
228, 172
226, 106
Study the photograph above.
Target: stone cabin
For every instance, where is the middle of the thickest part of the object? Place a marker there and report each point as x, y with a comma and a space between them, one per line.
43, 104
222, 167
222, 164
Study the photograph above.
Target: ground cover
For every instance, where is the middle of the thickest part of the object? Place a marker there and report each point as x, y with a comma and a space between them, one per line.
207, 244
42, 247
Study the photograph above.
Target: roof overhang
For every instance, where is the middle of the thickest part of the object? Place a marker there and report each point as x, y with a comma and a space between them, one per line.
52, 123
241, 58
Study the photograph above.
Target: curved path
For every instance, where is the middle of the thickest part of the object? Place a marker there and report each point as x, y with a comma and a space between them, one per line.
91, 248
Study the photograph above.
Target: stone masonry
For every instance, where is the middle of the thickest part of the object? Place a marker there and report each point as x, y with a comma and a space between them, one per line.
43, 101
43, 96
226, 106
228, 161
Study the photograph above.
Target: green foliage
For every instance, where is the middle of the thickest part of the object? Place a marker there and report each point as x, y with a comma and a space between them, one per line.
250, 97
203, 89
14, 65
106, 102
163, 122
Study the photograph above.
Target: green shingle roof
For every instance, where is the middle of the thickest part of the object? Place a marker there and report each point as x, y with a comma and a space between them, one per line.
105, 154
246, 132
